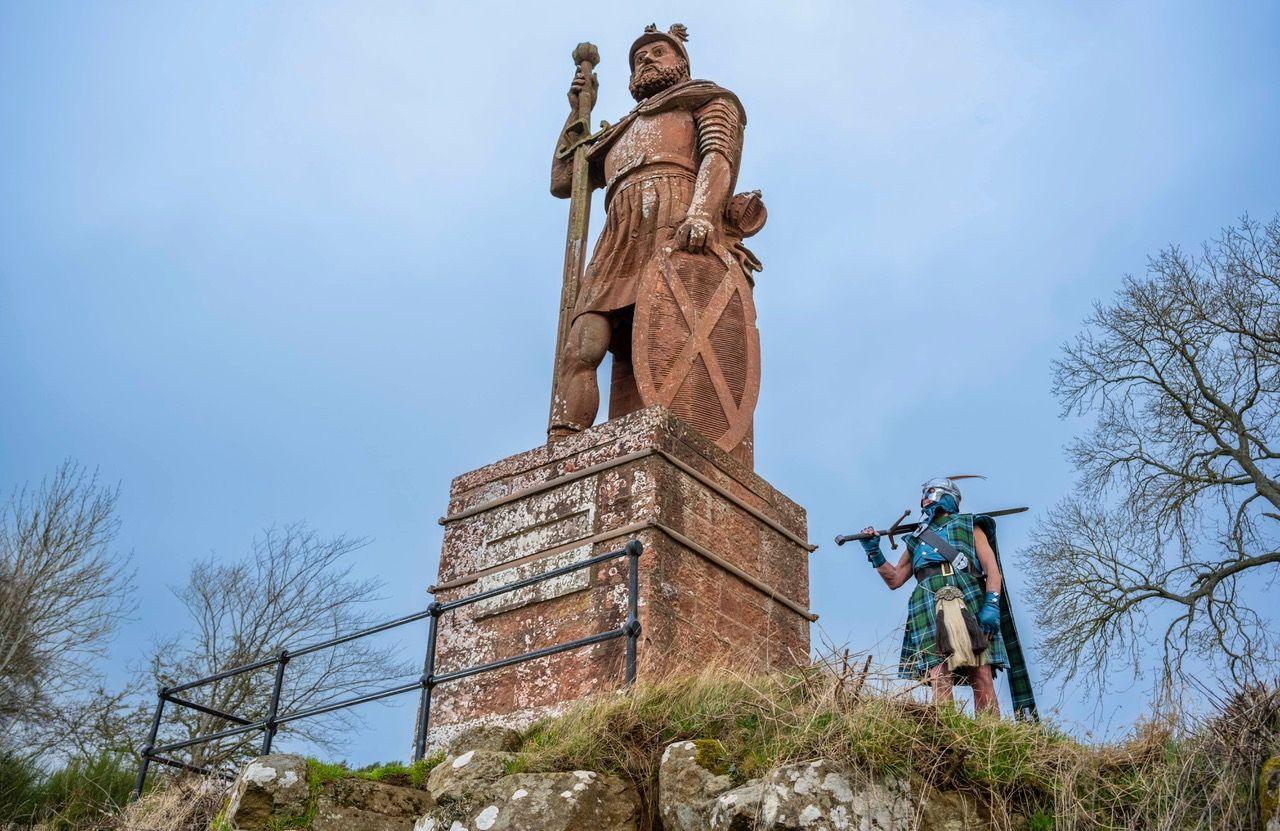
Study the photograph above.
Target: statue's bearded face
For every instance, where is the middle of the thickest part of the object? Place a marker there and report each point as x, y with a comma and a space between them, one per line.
657, 66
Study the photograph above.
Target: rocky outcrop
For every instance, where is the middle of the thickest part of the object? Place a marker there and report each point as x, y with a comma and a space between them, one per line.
1269, 794
485, 737
270, 788
808, 796
360, 805
688, 785
475, 790
817, 796
462, 777
576, 801
954, 811
274, 792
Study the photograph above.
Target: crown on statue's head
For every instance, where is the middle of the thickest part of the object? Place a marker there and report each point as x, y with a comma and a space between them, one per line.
676, 36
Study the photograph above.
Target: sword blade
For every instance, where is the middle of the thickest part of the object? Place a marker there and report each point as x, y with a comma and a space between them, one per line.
911, 526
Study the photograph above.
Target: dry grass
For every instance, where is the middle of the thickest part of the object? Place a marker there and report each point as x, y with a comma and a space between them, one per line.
181, 804
1169, 772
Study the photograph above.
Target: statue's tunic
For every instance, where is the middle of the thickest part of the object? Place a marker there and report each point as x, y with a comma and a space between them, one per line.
648, 164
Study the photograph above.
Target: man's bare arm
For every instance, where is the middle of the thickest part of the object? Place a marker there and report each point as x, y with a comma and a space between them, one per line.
896, 576
987, 557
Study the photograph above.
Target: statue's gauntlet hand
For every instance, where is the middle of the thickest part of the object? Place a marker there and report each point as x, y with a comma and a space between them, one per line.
581, 81
695, 232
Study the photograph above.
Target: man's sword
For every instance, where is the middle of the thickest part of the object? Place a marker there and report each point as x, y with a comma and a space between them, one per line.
897, 529
585, 57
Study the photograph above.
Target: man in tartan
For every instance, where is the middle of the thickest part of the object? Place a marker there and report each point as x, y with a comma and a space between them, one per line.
949, 549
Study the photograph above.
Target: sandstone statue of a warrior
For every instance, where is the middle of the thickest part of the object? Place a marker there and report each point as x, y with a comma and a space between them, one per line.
668, 289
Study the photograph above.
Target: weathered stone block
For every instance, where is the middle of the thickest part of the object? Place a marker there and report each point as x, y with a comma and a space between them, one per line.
486, 737
458, 778
273, 792
815, 796
687, 789
269, 788
360, 805
576, 801
724, 576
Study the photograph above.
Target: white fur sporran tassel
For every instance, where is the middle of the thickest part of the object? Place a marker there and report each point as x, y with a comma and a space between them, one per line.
958, 636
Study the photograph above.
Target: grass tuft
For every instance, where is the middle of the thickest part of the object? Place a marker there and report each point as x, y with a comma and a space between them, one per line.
413, 775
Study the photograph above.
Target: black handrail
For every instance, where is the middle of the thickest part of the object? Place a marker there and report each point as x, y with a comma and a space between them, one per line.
426, 683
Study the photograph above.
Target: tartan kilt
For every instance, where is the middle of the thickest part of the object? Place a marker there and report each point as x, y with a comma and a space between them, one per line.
919, 640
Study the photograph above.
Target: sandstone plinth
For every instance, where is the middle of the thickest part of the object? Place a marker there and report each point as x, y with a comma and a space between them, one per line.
724, 576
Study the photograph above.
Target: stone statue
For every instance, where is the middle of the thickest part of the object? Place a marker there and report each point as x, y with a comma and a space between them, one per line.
669, 286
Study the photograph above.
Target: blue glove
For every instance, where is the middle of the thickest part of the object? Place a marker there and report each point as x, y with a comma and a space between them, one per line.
989, 616
874, 555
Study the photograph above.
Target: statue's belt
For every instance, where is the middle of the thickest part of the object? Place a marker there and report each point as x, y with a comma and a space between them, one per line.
645, 171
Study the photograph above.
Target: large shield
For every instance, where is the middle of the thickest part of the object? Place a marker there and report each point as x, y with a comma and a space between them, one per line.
695, 348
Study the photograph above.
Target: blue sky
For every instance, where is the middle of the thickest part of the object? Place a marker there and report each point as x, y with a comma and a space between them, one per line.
275, 262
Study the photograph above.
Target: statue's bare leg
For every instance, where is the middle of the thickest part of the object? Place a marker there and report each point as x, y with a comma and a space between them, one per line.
578, 390
984, 690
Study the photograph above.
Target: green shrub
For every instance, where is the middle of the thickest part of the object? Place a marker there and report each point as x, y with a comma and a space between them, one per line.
19, 789
86, 791
80, 794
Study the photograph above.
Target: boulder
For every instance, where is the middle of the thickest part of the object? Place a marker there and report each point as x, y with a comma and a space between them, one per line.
270, 789
460, 777
814, 796
577, 801
952, 811
687, 786
738, 809
485, 737
361, 805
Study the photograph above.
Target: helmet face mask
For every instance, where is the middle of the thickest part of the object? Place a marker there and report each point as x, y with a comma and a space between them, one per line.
935, 489
934, 494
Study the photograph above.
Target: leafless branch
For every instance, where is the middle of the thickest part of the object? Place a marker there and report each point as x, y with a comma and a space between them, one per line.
1175, 518
63, 592
295, 588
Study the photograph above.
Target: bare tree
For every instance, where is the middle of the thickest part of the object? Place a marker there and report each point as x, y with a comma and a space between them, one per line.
1172, 534
63, 592
295, 588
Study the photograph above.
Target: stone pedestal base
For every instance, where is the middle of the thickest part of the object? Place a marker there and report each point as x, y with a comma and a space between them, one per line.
724, 577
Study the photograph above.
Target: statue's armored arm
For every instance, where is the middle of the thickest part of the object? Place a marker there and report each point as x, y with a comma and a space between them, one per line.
720, 149
561, 164
574, 129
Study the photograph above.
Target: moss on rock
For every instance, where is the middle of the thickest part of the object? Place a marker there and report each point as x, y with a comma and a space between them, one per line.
710, 754
1269, 790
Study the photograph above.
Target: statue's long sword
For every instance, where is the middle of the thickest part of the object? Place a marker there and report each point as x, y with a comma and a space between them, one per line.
585, 56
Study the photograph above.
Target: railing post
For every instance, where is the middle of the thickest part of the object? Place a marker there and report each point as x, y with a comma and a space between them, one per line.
428, 683
145, 761
632, 627
269, 730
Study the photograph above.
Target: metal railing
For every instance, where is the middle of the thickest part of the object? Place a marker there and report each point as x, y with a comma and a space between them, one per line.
425, 684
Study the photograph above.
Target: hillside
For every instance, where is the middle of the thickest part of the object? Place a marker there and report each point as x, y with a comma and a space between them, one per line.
1170, 771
